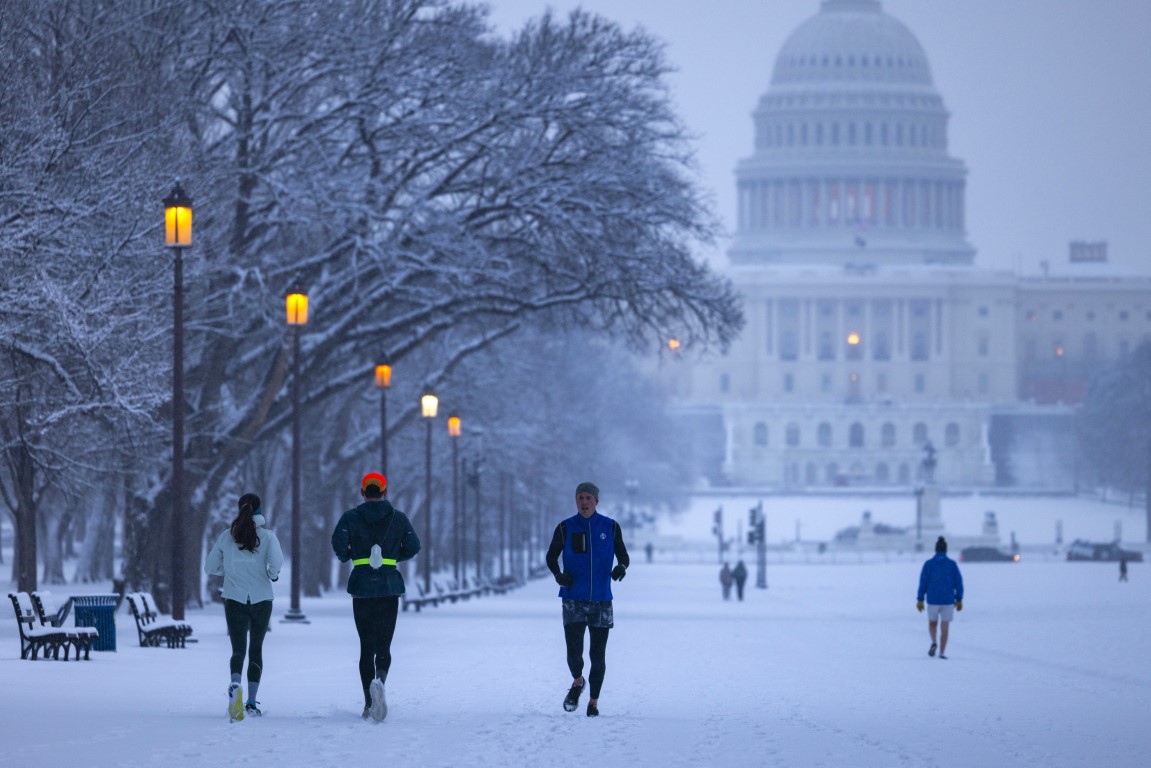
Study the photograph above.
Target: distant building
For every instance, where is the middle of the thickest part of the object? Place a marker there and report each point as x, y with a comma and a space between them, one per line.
869, 328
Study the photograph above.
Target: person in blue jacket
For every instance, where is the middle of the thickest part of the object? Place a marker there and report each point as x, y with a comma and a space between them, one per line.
942, 586
375, 536
589, 543
249, 558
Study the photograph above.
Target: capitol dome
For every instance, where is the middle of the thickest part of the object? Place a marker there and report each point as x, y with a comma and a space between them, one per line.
850, 163
852, 40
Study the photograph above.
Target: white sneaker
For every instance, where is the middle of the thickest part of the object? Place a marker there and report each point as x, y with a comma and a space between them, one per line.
379, 708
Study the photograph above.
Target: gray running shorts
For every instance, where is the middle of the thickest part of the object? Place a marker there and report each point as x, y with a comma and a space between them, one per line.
940, 612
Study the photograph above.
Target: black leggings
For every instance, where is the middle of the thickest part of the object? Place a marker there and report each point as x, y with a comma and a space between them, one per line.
573, 634
375, 624
244, 619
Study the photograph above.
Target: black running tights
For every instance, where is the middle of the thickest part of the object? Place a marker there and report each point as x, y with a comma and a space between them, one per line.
246, 619
573, 634
375, 624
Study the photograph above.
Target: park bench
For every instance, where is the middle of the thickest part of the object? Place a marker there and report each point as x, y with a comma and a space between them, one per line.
81, 638
419, 600
154, 627
34, 636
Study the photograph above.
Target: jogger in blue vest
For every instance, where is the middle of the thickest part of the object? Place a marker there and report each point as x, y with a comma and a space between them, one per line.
589, 543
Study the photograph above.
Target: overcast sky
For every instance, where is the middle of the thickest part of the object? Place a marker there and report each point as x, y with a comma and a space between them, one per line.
1050, 104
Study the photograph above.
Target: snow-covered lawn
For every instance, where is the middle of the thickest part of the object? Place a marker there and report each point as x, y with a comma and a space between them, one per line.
828, 666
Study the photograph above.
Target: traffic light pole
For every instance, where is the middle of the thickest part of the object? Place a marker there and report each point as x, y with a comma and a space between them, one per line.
717, 530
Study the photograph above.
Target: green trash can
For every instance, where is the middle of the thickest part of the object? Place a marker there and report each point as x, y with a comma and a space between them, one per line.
98, 611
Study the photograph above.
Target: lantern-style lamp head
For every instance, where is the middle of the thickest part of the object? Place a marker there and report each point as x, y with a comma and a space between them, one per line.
853, 338
383, 375
178, 218
673, 344
454, 426
297, 305
429, 404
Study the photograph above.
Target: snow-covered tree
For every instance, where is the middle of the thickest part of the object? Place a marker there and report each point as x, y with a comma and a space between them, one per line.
1115, 425
435, 189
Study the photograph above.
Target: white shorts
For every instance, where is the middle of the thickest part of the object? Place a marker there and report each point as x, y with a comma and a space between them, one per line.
940, 612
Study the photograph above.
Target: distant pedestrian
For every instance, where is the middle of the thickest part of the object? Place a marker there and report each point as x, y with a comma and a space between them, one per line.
249, 558
942, 586
725, 579
648, 550
375, 536
589, 542
740, 576
1122, 569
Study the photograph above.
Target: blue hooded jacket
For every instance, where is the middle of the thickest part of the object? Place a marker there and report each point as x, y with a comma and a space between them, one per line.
939, 581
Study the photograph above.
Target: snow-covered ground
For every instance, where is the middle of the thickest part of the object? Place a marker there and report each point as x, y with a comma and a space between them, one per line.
827, 666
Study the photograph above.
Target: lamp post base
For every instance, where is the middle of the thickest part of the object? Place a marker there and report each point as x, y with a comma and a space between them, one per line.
294, 616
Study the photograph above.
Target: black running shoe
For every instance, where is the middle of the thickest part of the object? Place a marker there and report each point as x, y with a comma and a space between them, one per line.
931, 650
251, 710
942, 656
571, 701
592, 710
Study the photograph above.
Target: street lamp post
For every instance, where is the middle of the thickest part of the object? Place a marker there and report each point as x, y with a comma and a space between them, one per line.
474, 482
383, 383
457, 543
178, 236
297, 309
429, 404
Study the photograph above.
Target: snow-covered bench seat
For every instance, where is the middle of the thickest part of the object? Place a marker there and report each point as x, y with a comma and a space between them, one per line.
154, 627
81, 638
34, 637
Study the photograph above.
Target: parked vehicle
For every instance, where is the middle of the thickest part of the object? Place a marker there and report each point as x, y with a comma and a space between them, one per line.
986, 554
1101, 552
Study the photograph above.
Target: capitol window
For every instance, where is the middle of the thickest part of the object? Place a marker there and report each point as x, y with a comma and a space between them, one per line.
919, 433
792, 435
855, 436
951, 435
760, 434
823, 435
887, 435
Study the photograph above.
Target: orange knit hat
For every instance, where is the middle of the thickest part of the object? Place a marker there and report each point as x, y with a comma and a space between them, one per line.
376, 479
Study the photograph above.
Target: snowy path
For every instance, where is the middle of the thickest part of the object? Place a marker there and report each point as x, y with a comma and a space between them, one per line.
1048, 667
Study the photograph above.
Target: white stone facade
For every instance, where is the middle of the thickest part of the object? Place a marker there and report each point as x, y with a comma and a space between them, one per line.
869, 329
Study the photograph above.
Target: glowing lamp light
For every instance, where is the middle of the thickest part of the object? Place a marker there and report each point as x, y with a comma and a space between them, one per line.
178, 218
383, 375
673, 344
853, 338
297, 304
454, 426
429, 405
1059, 350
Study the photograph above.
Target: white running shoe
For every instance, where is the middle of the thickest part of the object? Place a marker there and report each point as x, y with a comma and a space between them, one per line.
379, 708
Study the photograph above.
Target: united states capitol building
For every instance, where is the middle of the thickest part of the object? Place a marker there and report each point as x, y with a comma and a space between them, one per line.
870, 330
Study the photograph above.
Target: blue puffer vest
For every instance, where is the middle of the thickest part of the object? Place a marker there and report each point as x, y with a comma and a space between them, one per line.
589, 552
